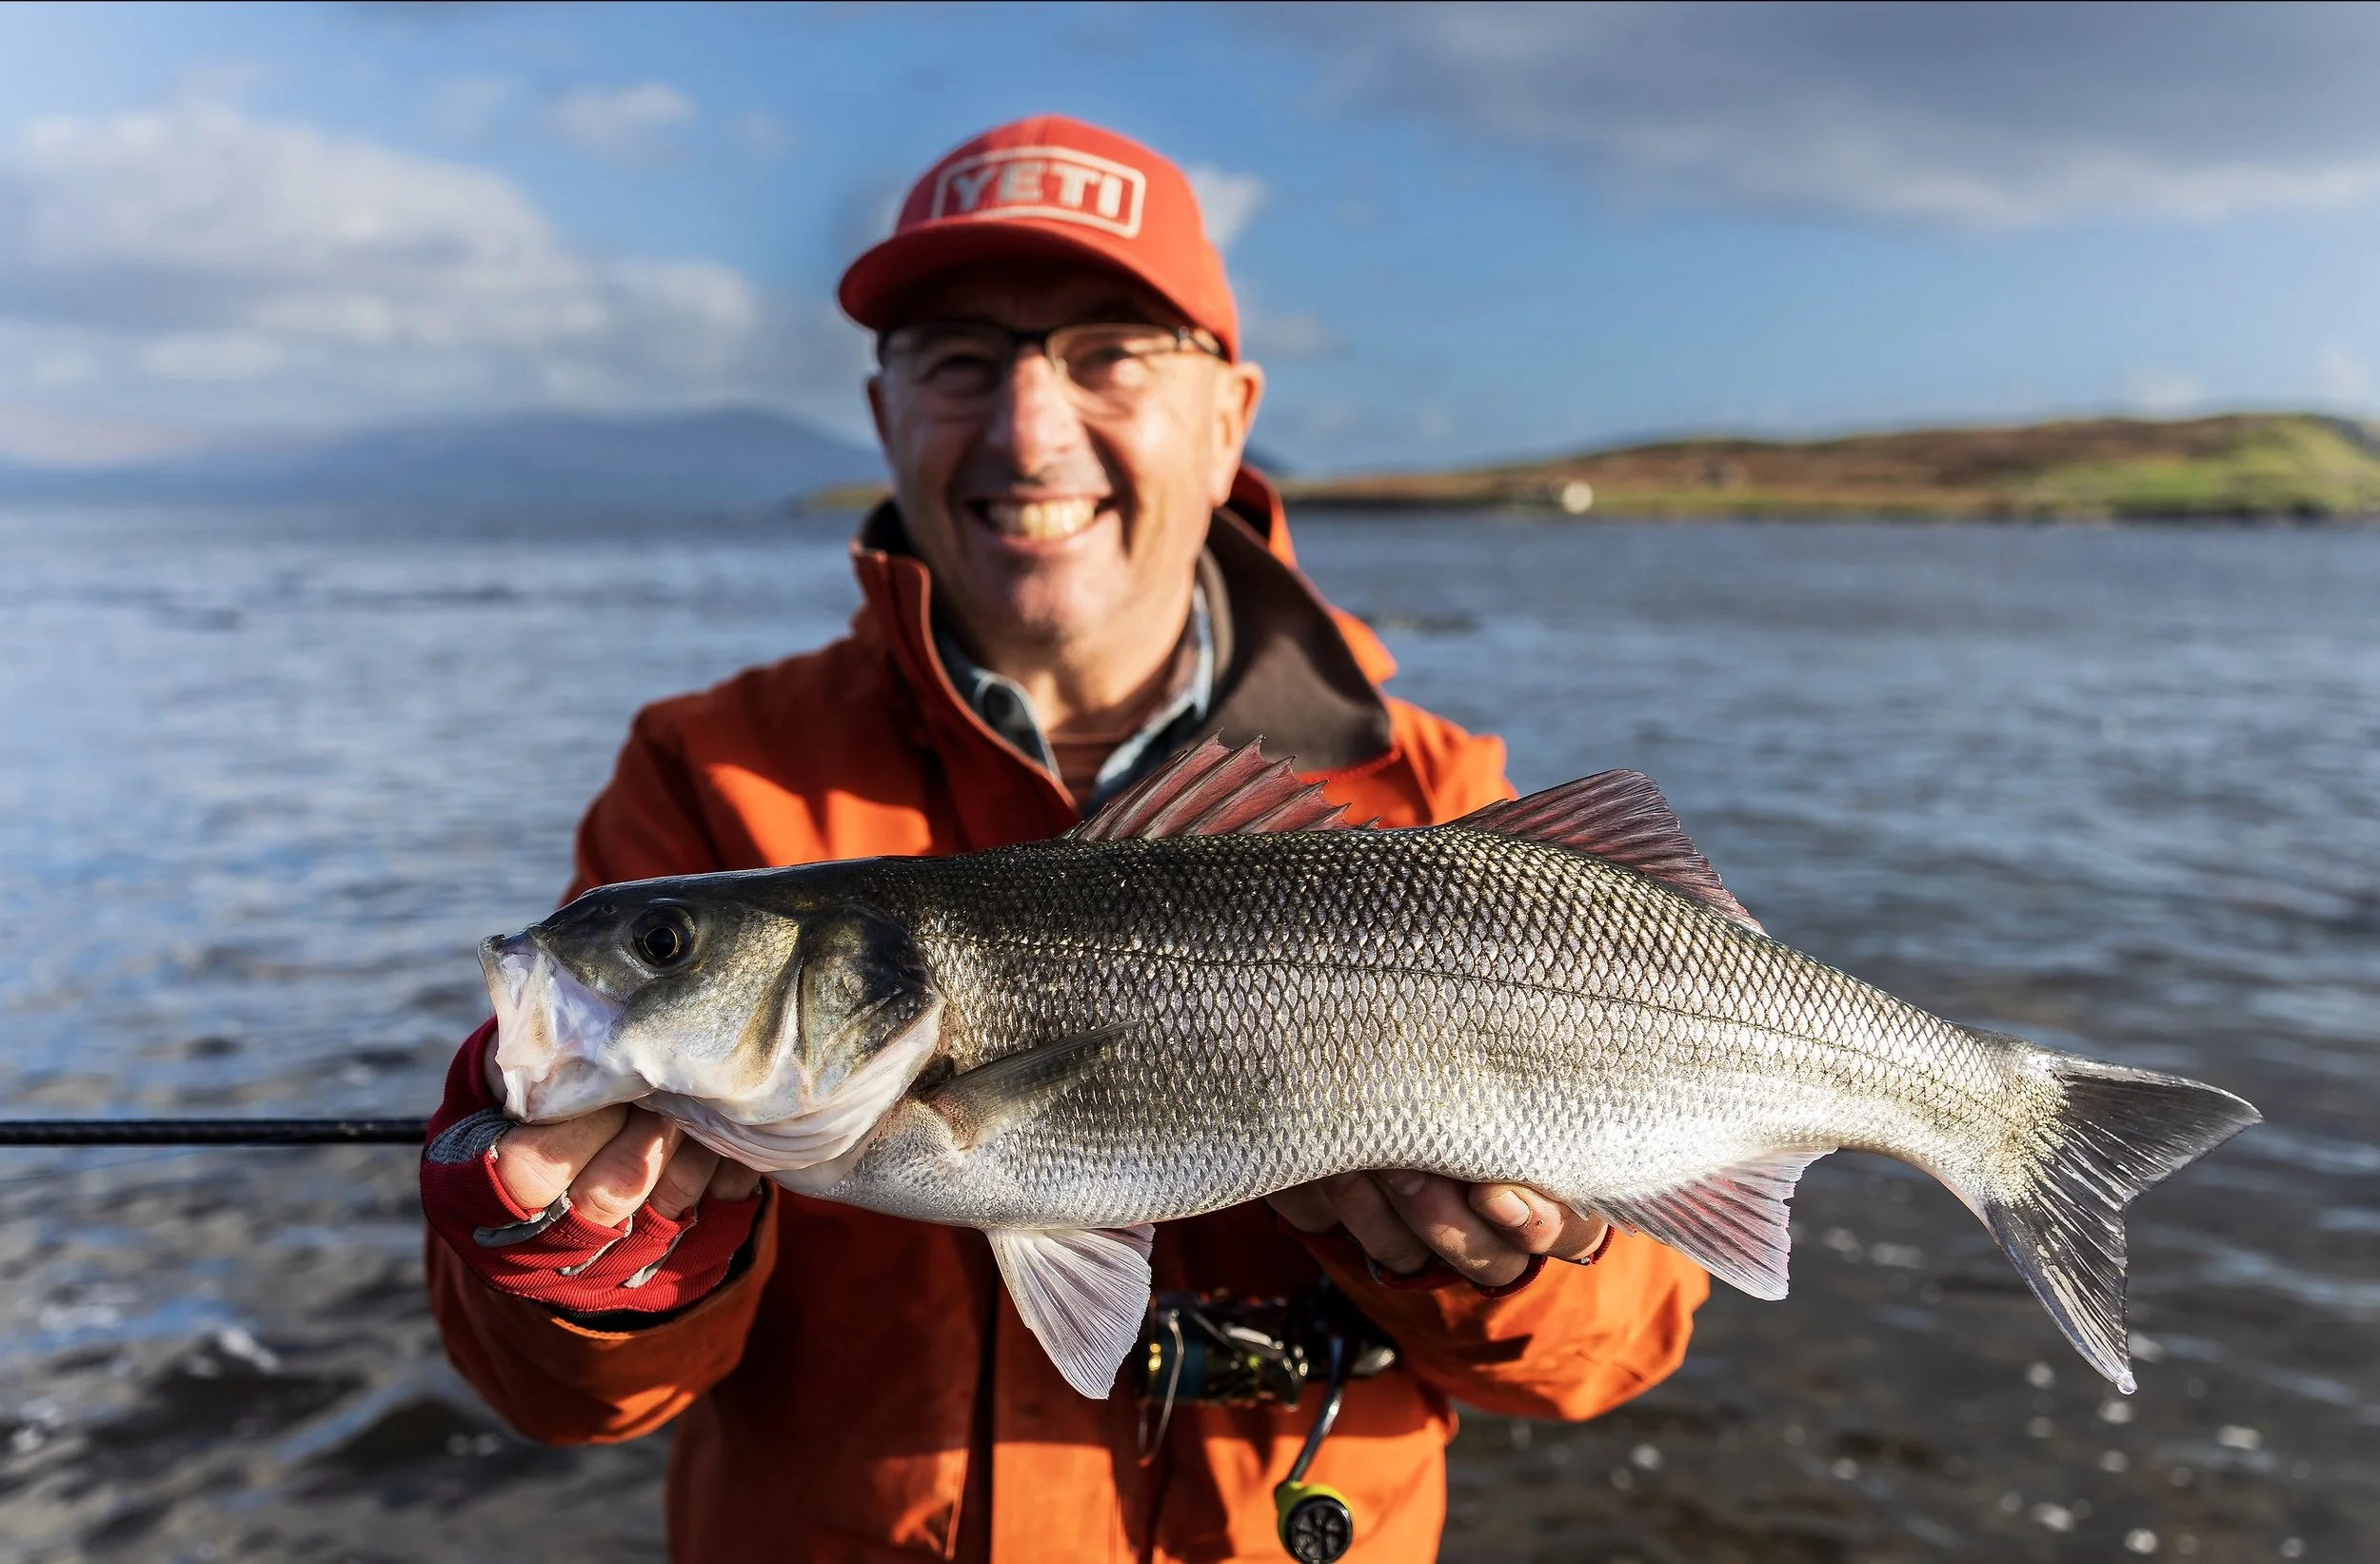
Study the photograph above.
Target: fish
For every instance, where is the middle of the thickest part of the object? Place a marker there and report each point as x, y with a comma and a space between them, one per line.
1218, 987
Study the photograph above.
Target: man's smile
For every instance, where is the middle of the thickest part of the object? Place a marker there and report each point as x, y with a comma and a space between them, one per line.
1051, 520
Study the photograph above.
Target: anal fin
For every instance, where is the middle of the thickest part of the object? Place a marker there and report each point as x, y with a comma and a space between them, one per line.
1734, 1223
1082, 1291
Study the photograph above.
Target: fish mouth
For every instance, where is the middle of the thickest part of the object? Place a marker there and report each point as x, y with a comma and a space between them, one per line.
551, 1034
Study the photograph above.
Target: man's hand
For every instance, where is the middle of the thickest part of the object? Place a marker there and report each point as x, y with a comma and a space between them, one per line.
1486, 1232
614, 1162
616, 1209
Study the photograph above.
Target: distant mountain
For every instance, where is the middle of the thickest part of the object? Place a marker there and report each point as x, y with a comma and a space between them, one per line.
721, 457
2299, 465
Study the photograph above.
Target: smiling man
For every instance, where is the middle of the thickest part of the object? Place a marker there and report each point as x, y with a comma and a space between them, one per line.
1075, 577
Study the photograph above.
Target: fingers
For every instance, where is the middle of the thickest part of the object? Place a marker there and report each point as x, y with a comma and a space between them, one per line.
684, 1179
1362, 1207
1523, 1216
535, 1163
1437, 1212
733, 1181
1485, 1232
614, 1160
1582, 1237
617, 1177
1536, 1223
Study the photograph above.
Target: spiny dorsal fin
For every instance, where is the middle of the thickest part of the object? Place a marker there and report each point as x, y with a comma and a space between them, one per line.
1210, 791
1622, 816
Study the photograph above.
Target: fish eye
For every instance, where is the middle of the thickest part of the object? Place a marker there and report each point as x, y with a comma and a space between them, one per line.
663, 938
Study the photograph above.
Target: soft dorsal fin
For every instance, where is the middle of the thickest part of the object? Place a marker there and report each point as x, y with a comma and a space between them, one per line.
1622, 816
1211, 791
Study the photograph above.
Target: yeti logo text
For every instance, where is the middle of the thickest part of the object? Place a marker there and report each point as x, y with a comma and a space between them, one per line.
1043, 182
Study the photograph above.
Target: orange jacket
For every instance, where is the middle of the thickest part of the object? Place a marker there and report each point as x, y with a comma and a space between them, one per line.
831, 1398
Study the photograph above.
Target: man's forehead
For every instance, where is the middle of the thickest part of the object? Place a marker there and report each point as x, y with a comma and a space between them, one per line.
1036, 294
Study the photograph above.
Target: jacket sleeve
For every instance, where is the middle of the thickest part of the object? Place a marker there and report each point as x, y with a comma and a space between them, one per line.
561, 1382
1573, 1342
556, 1379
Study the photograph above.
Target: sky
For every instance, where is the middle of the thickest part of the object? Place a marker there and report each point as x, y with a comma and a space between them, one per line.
1456, 232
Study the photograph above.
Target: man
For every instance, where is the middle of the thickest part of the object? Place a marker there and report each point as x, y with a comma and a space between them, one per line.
1075, 578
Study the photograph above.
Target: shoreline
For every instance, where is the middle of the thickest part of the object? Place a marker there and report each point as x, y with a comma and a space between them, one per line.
2251, 468
1631, 513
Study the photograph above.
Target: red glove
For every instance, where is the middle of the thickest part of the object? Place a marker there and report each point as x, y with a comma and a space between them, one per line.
647, 1264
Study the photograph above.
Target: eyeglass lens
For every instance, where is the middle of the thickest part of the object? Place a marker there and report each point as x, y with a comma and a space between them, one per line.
964, 364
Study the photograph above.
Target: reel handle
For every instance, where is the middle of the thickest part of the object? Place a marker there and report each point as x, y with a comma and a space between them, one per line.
1314, 1521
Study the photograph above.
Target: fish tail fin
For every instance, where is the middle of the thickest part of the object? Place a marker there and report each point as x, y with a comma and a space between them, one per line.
2116, 1132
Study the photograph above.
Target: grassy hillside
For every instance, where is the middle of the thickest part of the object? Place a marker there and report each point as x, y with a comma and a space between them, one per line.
2258, 464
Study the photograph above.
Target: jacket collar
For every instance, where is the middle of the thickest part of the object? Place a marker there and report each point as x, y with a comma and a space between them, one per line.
1301, 676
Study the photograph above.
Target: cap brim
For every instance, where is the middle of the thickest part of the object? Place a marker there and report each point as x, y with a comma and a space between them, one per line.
878, 286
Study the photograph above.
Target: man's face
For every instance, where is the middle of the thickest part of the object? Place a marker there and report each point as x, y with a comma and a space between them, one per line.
1043, 520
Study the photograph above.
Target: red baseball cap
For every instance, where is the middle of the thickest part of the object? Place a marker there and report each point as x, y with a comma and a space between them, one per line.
1056, 187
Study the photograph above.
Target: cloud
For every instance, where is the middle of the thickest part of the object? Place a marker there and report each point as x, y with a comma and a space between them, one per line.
1227, 202
463, 109
51, 439
632, 123
194, 259
1976, 115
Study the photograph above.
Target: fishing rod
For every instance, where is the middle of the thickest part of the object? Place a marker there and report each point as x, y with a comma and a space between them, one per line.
213, 1132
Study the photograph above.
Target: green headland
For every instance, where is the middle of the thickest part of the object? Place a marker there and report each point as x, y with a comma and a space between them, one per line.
2241, 465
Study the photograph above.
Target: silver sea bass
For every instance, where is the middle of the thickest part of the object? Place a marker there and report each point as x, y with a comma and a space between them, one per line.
1215, 989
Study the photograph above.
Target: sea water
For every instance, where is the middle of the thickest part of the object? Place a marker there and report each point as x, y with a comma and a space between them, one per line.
265, 780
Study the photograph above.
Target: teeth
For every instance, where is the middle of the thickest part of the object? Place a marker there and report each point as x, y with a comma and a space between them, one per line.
1044, 520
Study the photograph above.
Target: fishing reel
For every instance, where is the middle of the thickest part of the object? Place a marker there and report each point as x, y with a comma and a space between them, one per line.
1214, 1349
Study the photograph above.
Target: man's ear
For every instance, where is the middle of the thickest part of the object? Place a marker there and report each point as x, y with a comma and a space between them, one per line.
875, 411
1238, 390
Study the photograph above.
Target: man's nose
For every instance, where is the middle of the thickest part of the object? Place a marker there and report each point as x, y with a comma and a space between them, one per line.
1037, 423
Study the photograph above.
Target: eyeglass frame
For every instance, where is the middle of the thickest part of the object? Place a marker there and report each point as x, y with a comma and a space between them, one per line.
1184, 339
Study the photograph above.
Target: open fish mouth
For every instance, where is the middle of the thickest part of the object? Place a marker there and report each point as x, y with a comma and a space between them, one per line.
555, 1050
551, 1030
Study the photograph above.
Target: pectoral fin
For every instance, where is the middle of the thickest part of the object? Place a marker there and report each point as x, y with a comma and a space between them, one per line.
1083, 1290
1734, 1223
990, 1097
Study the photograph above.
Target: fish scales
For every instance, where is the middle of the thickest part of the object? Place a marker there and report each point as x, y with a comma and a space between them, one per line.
1317, 1003
1065, 1041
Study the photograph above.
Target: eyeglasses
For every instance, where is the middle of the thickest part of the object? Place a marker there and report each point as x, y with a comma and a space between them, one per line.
958, 367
